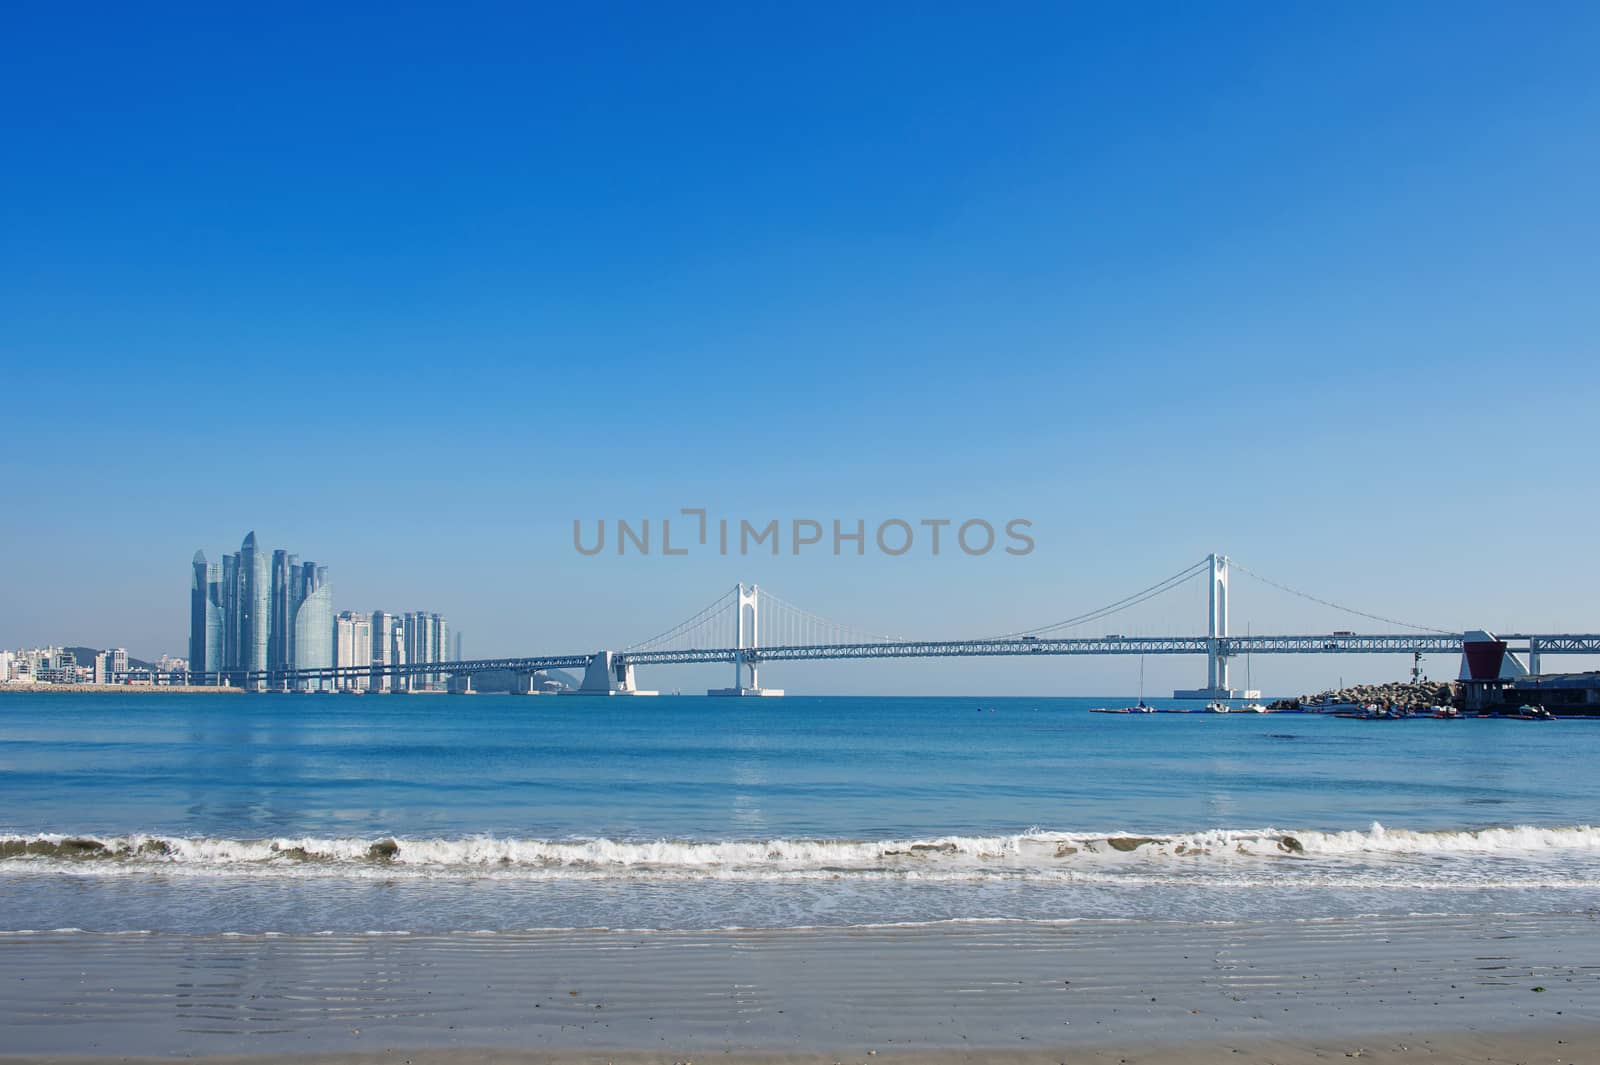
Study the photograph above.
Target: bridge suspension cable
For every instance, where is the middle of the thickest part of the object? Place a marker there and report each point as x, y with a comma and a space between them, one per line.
783, 624
711, 627
1159, 588
1235, 564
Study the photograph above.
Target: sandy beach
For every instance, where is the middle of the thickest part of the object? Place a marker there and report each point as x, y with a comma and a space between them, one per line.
1520, 989
1522, 1048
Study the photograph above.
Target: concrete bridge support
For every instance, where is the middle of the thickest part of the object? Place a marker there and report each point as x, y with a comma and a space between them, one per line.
609, 674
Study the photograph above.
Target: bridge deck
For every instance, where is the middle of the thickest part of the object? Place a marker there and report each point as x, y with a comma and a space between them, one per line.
1233, 646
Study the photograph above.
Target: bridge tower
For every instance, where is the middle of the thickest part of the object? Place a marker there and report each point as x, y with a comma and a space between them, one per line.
1217, 626
1217, 682
746, 638
742, 599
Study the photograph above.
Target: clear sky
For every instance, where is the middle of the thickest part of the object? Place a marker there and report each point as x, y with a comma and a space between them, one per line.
409, 290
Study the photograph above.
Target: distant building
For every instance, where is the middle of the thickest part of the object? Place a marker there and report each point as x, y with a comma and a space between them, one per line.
313, 624
427, 639
55, 665
255, 613
205, 617
352, 649
384, 650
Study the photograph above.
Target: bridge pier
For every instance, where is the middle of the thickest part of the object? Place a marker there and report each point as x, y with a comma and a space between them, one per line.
741, 661
608, 673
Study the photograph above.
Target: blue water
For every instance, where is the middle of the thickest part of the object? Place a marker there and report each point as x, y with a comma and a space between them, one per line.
258, 813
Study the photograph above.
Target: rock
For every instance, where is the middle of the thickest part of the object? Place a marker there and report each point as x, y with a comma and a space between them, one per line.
1292, 845
384, 850
79, 848
1130, 843
925, 848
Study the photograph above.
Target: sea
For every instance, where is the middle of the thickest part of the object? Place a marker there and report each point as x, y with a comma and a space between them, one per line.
279, 814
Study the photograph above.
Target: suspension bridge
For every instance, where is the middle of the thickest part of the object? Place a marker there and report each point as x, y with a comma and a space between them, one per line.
748, 627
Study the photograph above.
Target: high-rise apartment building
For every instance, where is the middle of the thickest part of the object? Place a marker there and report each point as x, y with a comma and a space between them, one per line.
255, 612
427, 638
383, 651
205, 619
352, 650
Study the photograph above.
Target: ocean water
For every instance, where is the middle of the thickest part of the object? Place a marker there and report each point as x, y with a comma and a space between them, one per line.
259, 814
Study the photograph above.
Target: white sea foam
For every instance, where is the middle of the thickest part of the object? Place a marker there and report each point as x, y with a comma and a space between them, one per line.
1086, 856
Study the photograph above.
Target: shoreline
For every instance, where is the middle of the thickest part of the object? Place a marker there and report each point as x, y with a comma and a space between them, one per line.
117, 689
1551, 1046
1448, 989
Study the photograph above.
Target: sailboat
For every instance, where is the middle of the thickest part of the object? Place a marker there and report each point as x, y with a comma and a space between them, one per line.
1141, 708
1251, 707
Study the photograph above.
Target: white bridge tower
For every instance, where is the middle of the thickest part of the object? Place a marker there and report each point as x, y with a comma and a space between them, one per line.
1217, 685
747, 637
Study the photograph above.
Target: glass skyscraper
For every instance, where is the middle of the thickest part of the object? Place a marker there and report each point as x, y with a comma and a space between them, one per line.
205, 619
255, 611
312, 609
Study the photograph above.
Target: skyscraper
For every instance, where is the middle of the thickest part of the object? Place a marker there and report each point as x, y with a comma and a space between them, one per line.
205, 618
255, 612
280, 642
352, 649
427, 641
312, 609
382, 650
230, 612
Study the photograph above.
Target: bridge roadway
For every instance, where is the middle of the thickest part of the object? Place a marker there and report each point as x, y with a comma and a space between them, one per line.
1231, 646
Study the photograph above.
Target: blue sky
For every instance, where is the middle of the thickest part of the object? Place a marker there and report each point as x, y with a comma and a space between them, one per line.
410, 290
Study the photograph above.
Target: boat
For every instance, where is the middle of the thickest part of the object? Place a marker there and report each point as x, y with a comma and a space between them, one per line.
1216, 708
1529, 712
1251, 707
1140, 707
1446, 713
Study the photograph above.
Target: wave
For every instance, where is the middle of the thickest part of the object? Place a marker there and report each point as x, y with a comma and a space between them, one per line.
1036, 852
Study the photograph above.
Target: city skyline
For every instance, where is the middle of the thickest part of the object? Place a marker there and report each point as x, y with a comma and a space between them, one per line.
253, 620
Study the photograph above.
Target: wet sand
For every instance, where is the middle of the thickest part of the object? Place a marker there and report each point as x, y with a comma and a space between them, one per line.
1523, 989
1546, 1048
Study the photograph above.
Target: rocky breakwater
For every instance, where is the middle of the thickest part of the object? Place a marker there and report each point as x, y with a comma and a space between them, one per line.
1399, 693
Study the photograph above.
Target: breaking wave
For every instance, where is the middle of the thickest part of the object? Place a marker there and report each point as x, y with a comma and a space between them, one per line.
1035, 853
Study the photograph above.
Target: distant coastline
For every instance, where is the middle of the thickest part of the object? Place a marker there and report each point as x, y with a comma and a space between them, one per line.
120, 689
